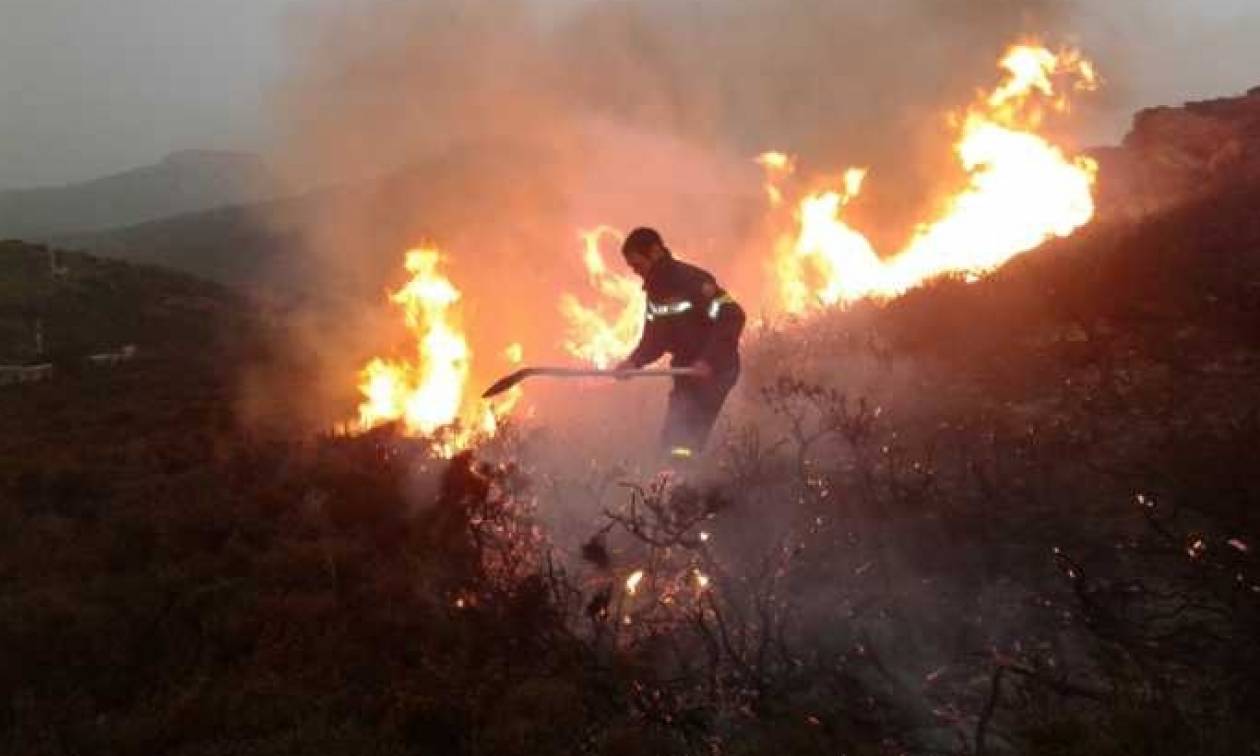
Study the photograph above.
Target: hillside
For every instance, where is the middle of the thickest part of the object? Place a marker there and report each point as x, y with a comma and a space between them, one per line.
1014, 516
239, 245
183, 182
94, 305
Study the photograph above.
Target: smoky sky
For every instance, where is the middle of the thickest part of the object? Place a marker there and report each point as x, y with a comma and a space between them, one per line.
91, 87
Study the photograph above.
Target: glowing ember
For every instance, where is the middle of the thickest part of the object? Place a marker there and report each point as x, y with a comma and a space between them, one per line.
632, 582
1196, 548
702, 580
1021, 191
428, 395
608, 330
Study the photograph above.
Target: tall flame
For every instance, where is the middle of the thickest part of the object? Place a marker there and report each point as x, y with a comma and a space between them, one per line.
428, 395
1021, 191
607, 330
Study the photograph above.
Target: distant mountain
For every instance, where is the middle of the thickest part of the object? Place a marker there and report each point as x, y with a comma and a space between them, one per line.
267, 244
183, 182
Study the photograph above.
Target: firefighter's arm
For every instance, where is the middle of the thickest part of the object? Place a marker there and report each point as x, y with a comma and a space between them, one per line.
649, 350
728, 323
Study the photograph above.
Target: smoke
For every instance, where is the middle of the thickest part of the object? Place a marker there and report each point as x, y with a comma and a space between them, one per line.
382, 84
498, 129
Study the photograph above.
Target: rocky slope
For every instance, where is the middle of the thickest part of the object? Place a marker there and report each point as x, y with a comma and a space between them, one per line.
1174, 154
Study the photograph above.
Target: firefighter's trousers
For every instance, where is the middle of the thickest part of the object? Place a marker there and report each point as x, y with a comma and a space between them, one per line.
694, 405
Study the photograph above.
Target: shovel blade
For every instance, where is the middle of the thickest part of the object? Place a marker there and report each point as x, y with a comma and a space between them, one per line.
505, 383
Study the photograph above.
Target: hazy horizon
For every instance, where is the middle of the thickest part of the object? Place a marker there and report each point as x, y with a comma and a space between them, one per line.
94, 89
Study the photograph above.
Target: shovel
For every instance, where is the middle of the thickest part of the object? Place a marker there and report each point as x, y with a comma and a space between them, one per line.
505, 383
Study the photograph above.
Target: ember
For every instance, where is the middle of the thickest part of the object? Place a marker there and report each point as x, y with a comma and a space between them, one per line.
632, 582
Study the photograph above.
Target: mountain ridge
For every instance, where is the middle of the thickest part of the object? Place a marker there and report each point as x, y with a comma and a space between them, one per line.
183, 181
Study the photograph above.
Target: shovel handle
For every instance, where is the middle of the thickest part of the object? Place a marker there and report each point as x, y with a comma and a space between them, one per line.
507, 382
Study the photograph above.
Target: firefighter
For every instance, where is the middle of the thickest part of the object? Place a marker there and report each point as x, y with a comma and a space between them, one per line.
694, 320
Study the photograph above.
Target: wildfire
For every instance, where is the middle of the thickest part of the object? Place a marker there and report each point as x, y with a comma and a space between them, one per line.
1021, 191
428, 395
609, 329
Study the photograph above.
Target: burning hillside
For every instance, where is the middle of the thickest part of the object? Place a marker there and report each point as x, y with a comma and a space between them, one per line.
1020, 189
985, 483
1038, 539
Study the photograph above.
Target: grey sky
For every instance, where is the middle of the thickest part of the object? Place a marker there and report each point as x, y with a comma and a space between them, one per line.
94, 86
1164, 52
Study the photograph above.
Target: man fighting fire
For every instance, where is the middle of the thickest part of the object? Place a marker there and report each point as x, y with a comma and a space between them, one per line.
698, 324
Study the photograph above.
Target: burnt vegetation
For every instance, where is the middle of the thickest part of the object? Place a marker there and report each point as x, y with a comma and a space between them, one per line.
1032, 529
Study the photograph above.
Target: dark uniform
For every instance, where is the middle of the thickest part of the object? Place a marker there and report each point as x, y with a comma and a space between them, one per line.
692, 318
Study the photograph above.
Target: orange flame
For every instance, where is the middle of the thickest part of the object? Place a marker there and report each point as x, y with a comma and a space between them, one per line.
428, 395
777, 165
1021, 191
606, 331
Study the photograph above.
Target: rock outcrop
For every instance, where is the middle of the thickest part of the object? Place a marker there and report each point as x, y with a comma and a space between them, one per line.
1175, 154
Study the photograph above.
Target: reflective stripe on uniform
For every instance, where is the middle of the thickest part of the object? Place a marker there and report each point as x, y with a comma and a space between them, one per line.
715, 306
681, 452
655, 311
